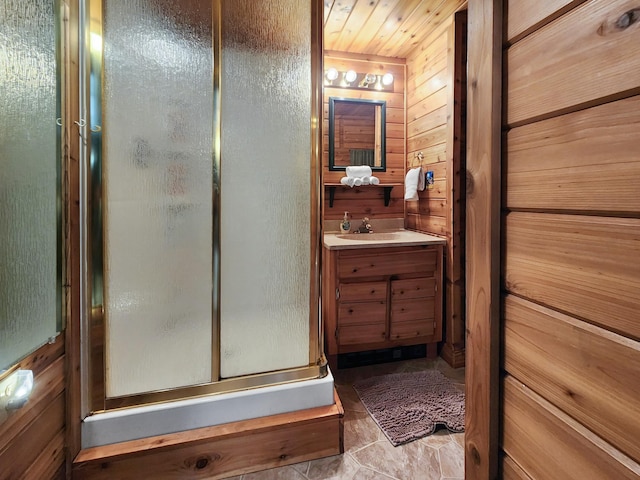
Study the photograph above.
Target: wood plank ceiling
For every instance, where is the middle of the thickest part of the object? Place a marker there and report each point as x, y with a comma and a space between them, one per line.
389, 28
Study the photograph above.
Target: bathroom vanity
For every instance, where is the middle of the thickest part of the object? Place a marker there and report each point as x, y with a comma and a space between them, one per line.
381, 290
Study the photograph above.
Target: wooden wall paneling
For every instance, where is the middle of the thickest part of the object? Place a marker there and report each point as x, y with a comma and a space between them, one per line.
221, 451
428, 59
581, 57
427, 98
32, 437
432, 155
50, 463
523, 16
482, 367
435, 136
587, 266
426, 206
510, 470
428, 122
24, 450
548, 443
586, 371
48, 384
434, 225
583, 161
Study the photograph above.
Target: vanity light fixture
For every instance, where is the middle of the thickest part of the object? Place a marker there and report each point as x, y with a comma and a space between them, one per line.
353, 79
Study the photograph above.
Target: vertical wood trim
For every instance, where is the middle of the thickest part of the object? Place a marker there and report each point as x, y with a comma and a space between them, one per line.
72, 240
483, 238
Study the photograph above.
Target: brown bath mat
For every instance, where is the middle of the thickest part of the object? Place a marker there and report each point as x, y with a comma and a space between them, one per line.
408, 406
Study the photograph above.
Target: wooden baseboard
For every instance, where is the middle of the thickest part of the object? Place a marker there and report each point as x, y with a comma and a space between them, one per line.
454, 356
221, 451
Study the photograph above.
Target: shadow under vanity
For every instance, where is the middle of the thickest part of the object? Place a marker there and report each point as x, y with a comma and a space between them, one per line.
381, 291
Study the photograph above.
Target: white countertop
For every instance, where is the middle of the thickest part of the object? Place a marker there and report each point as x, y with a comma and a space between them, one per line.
395, 238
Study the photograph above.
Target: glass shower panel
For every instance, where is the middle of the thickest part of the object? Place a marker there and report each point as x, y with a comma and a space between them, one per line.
157, 181
265, 191
29, 158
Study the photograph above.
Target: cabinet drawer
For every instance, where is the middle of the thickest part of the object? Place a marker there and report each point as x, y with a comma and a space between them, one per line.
413, 288
418, 328
387, 264
365, 291
413, 309
356, 334
356, 313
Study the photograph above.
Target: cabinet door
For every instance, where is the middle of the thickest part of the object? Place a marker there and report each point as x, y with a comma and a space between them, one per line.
412, 318
362, 334
363, 291
413, 288
413, 308
359, 313
414, 329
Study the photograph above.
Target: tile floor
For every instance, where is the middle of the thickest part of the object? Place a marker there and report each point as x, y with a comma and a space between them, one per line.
368, 454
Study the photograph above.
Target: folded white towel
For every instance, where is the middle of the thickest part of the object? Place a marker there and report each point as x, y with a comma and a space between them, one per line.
359, 171
347, 181
411, 184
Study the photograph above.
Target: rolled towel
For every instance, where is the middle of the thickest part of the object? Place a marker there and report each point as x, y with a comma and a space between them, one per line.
359, 171
374, 180
357, 182
411, 184
347, 181
365, 180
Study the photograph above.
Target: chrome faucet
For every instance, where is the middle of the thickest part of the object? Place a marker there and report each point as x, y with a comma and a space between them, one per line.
365, 227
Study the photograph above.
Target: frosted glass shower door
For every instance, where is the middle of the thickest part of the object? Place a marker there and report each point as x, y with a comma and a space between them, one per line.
265, 172
157, 193
201, 190
30, 276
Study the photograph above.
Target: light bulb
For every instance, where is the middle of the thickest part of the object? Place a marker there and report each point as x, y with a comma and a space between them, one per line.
332, 74
387, 79
350, 76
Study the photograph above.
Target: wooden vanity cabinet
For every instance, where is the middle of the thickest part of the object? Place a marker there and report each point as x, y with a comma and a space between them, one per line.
377, 298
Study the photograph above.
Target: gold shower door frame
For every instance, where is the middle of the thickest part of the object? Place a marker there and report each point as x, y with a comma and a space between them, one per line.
94, 361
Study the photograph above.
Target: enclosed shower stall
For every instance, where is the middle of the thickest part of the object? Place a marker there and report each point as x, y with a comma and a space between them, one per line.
200, 197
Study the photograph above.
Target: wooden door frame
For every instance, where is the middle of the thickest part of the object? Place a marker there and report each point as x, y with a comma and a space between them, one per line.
484, 123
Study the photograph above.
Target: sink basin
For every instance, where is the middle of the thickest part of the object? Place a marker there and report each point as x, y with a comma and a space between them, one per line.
372, 237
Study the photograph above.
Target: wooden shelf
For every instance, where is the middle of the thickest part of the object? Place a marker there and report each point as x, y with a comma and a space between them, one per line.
386, 186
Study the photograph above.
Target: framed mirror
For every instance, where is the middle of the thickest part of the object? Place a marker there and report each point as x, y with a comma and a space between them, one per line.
356, 133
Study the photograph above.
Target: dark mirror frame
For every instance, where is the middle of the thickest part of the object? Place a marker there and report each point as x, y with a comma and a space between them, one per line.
382, 127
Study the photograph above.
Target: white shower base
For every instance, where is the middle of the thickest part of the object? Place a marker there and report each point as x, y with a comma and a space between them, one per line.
164, 418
